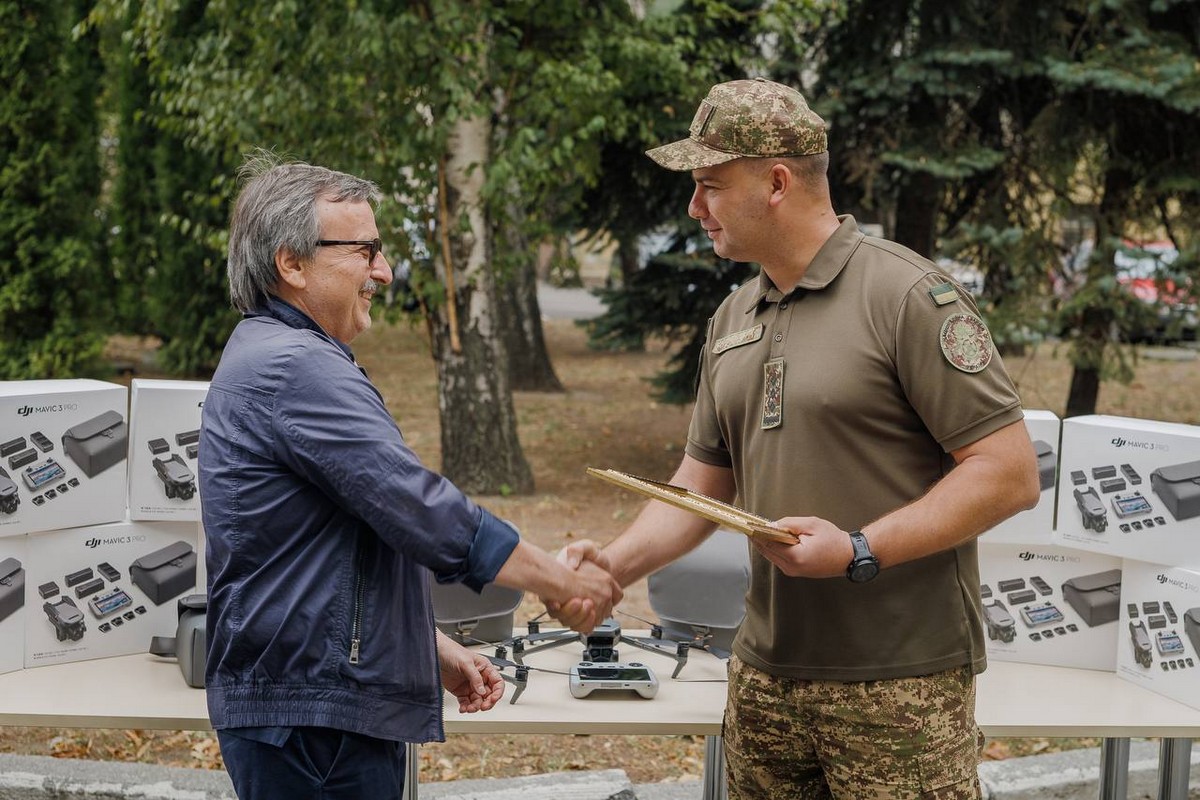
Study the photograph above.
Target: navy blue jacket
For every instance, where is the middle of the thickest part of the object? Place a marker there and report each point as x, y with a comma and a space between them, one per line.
322, 529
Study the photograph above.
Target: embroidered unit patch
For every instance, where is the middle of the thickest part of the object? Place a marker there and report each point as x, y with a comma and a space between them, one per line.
732, 340
772, 407
943, 294
966, 342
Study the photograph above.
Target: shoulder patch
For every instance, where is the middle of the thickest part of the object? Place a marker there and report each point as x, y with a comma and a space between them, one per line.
966, 342
943, 294
738, 339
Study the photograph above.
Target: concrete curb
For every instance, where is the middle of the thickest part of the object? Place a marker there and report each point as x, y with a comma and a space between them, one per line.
1075, 775
1071, 775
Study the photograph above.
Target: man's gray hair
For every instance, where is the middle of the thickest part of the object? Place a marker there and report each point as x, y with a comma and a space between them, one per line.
277, 209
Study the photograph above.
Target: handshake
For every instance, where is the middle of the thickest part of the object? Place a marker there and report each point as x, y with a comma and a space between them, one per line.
589, 590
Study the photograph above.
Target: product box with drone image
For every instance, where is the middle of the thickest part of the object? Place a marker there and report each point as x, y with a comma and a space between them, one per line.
1034, 525
1159, 642
12, 603
105, 590
163, 446
1050, 605
1130, 488
63, 446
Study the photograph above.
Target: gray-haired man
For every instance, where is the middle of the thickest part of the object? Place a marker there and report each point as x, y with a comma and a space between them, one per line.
323, 527
852, 382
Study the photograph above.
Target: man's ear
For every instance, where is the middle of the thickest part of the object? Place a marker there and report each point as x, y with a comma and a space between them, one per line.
290, 268
783, 182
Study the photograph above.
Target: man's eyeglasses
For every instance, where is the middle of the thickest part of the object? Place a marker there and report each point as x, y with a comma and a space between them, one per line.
375, 244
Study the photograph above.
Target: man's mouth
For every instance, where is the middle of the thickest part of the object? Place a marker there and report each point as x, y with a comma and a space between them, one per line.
368, 290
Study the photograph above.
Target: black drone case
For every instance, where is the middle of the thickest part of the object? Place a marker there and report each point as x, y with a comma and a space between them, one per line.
97, 444
1047, 463
166, 573
1179, 487
12, 587
1191, 626
1097, 597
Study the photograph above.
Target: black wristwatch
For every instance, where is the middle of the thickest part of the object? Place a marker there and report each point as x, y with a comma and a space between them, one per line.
864, 566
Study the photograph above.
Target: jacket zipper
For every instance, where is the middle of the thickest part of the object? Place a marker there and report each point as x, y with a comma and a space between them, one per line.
356, 629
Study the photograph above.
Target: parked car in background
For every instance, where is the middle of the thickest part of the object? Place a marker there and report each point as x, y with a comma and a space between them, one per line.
1148, 272
968, 275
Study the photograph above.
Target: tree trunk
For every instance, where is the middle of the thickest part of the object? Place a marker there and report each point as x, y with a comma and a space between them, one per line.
1085, 389
481, 452
1096, 325
627, 257
916, 213
529, 366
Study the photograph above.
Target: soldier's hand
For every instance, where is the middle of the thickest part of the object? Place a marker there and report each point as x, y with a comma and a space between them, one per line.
595, 591
823, 550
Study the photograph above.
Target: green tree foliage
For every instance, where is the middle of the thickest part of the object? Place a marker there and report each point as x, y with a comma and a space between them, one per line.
1006, 132
1003, 133
668, 297
171, 196
51, 302
700, 43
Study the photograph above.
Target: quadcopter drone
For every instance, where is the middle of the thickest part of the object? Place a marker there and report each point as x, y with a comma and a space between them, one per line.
599, 648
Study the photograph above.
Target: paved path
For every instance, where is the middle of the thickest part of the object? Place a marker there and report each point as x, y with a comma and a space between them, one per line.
1071, 775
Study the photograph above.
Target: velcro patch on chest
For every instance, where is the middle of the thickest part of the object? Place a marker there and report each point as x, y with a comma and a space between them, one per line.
732, 340
966, 342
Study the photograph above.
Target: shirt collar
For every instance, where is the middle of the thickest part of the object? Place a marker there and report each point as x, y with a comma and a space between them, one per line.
293, 317
826, 265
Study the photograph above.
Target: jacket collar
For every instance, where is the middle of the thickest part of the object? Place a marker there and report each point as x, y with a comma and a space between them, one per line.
293, 317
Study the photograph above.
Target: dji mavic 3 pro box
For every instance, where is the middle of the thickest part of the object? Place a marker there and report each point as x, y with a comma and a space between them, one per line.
87, 588
13, 559
1044, 604
163, 447
1159, 630
1034, 526
63, 446
1130, 488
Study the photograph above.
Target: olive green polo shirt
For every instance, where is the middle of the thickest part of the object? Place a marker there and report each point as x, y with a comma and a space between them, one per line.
861, 423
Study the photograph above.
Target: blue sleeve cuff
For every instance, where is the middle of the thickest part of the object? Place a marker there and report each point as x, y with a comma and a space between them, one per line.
493, 543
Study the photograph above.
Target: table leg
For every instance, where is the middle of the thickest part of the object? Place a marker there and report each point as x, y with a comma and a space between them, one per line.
412, 763
1174, 768
714, 769
1114, 769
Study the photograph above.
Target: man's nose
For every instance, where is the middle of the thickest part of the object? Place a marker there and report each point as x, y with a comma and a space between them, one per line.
381, 270
696, 207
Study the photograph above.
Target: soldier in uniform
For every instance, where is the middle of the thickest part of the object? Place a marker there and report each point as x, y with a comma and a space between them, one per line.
852, 393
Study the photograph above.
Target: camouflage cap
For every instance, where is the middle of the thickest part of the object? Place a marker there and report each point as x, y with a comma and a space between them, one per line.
756, 118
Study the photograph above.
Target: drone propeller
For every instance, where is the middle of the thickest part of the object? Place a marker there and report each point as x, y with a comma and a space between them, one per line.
521, 677
701, 640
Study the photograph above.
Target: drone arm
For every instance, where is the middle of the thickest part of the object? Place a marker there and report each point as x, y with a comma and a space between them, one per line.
678, 650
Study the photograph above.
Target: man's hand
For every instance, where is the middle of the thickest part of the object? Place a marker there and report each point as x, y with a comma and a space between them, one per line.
824, 549
469, 676
583, 612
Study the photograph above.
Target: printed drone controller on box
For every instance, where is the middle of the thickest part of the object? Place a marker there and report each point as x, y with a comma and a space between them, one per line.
62, 454
105, 590
1159, 643
1035, 525
163, 446
1050, 605
12, 603
1130, 488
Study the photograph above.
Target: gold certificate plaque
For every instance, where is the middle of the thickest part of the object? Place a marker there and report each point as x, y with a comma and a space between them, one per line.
724, 514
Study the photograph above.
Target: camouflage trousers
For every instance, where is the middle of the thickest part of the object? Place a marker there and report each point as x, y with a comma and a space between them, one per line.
787, 739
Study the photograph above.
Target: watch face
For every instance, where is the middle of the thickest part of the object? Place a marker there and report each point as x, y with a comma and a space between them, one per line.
863, 571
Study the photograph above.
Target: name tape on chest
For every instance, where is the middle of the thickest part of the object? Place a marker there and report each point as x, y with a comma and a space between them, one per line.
731, 340
966, 342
